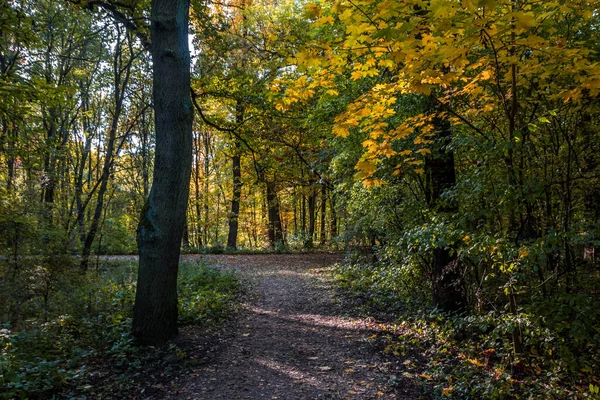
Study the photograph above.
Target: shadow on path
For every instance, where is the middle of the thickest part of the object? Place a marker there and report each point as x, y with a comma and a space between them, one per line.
293, 341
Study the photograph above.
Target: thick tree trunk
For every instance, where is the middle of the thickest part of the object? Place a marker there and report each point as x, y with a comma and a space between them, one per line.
447, 282
163, 217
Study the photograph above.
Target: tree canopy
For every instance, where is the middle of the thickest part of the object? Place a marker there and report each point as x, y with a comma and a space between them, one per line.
452, 146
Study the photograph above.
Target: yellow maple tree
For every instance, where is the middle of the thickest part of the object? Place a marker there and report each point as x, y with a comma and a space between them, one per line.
491, 65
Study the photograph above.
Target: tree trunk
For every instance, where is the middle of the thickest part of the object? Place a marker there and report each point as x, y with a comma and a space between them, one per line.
87, 147
205, 194
447, 282
197, 191
235, 201
163, 217
275, 231
312, 200
145, 158
237, 185
334, 222
185, 242
323, 214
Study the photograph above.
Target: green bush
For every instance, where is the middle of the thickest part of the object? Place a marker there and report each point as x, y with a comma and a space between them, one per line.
206, 295
473, 356
90, 319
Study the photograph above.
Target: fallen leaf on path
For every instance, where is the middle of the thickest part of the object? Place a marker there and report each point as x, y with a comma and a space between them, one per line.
325, 368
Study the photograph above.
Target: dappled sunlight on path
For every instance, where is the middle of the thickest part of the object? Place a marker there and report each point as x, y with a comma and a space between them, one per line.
293, 341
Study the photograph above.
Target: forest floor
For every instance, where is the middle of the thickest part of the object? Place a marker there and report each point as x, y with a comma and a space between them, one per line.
292, 339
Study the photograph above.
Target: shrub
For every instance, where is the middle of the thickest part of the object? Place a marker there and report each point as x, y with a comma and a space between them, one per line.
88, 320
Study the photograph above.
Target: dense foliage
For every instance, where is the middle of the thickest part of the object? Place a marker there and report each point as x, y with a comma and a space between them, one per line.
453, 145
78, 340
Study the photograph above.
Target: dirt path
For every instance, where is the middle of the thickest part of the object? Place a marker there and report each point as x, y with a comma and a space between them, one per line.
291, 341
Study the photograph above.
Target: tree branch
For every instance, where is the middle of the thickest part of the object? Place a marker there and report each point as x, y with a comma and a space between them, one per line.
112, 7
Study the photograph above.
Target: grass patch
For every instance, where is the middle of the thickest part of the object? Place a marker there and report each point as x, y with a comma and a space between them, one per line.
82, 332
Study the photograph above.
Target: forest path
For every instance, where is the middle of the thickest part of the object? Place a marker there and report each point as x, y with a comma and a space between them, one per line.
292, 340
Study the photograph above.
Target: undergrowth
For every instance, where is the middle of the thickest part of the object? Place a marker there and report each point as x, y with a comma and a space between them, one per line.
62, 350
471, 356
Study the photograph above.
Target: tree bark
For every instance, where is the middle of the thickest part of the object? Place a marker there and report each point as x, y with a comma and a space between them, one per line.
163, 218
205, 193
237, 184
334, 221
312, 200
446, 280
323, 214
275, 231
198, 228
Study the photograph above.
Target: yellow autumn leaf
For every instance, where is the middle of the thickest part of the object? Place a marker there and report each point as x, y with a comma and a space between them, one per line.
475, 362
372, 182
485, 75
356, 75
328, 19
470, 5
386, 63
370, 144
524, 20
523, 253
338, 130
312, 10
488, 3
366, 167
